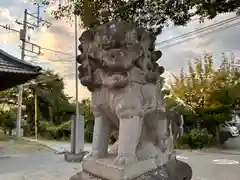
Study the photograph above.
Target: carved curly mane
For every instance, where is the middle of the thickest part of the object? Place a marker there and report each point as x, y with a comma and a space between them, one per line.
112, 51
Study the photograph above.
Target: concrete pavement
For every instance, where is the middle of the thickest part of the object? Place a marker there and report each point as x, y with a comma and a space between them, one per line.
37, 166
212, 166
50, 166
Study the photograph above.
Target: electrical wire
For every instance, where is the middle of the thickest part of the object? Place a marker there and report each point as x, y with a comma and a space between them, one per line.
61, 60
223, 22
205, 34
56, 51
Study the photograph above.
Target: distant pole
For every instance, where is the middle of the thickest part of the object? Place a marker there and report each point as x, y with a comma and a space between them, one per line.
36, 115
22, 37
38, 14
74, 126
78, 122
76, 66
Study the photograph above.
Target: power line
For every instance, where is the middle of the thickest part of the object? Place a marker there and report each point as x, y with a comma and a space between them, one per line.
8, 27
205, 34
200, 30
62, 60
56, 51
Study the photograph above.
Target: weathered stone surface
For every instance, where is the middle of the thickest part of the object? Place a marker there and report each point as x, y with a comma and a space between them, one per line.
118, 65
106, 169
173, 170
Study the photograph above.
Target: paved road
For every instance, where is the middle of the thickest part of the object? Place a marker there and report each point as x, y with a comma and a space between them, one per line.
37, 166
207, 166
51, 166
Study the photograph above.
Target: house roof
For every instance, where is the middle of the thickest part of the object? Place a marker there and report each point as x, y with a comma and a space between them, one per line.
14, 71
9, 63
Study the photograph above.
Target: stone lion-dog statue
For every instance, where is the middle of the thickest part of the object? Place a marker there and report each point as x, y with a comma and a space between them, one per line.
118, 65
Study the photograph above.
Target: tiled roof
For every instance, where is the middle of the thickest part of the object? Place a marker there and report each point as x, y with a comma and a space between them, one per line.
11, 64
13, 71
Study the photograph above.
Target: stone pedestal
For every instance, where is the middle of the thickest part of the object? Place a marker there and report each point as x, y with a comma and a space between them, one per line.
103, 169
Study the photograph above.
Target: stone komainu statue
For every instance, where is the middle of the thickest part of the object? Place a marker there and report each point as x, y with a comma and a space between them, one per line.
118, 65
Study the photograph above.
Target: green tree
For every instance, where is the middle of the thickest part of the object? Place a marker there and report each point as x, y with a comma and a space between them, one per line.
209, 94
7, 121
53, 103
153, 14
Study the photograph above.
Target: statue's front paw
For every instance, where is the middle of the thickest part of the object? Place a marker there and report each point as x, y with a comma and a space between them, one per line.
125, 159
92, 155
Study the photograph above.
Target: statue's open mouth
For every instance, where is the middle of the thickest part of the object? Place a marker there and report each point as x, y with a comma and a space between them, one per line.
115, 79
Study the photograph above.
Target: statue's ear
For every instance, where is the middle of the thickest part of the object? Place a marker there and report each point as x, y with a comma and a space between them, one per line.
156, 55
161, 69
87, 35
80, 58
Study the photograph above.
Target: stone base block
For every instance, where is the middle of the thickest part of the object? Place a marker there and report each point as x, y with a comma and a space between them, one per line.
105, 168
173, 170
156, 174
71, 157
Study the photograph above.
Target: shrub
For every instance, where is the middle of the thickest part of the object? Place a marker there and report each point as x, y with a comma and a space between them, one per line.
195, 139
47, 130
64, 130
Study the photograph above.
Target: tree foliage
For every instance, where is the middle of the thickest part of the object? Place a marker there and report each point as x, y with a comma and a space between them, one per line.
54, 105
206, 96
86, 111
7, 121
152, 14
209, 94
55, 108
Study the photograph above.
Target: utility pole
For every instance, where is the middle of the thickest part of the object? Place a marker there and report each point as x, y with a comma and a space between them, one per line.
23, 33
36, 115
78, 121
76, 66
77, 127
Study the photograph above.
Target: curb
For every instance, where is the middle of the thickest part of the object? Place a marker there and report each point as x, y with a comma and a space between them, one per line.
57, 150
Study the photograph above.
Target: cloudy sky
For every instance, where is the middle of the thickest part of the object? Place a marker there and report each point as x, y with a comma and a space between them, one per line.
60, 37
